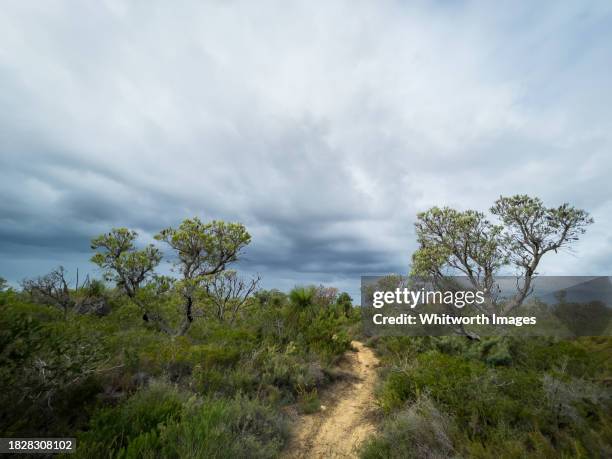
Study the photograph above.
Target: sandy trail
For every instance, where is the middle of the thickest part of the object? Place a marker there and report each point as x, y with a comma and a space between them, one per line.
345, 419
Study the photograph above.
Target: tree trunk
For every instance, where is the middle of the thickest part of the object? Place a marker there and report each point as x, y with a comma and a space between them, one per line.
188, 316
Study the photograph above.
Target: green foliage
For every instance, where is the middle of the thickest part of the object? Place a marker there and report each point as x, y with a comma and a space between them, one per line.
507, 397
44, 361
233, 378
205, 248
162, 422
308, 401
584, 319
312, 322
271, 299
345, 303
121, 262
532, 227
111, 430
202, 250
289, 371
467, 243
132, 391
214, 389
226, 429
418, 430
302, 297
325, 337
445, 235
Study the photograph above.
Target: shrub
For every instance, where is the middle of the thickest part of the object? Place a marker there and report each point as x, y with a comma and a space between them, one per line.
508, 397
44, 362
185, 428
302, 297
111, 430
225, 428
419, 430
446, 377
308, 401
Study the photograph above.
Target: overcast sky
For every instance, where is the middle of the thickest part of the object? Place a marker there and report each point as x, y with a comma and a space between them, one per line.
324, 126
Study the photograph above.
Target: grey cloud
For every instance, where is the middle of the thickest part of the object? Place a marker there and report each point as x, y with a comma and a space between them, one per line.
323, 127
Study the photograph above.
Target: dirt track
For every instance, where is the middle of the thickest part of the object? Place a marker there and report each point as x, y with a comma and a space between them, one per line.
345, 418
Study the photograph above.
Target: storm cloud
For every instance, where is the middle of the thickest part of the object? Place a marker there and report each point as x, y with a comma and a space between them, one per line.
322, 126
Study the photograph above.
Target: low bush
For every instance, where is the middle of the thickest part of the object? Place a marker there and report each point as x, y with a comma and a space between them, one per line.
111, 430
503, 396
308, 401
132, 390
162, 422
418, 430
47, 366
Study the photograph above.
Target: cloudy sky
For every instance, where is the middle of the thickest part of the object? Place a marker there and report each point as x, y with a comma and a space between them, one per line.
322, 126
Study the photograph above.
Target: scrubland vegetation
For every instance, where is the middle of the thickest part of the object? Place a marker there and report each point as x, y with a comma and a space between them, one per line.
130, 390
205, 364
505, 396
497, 397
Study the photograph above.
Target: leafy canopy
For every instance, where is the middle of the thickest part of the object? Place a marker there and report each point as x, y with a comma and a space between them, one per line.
202, 250
205, 248
468, 243
122, 262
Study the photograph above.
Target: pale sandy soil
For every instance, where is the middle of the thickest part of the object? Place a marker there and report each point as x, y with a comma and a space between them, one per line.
345, 419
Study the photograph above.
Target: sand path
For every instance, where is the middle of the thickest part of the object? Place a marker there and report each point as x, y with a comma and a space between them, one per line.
345, 419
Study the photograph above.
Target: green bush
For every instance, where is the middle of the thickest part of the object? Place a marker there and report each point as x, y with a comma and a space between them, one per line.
418, 430
507, 397
134, 391
47, 366
308, 401
111, 430
162, 422
226, 428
